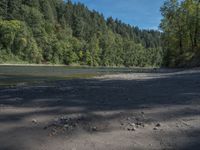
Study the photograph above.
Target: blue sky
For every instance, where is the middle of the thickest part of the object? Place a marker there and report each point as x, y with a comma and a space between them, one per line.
142, 13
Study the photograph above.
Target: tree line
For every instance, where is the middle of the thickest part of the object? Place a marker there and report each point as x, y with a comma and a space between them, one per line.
54, 31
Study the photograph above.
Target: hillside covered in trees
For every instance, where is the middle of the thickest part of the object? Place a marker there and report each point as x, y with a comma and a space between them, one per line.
54, 31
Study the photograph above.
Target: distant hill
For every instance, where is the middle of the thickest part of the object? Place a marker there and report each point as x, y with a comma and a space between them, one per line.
54, 31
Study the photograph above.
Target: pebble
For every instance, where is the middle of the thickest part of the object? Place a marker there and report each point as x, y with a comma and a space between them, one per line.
131, 128
139, 123
132, 124
158, 125
94, 128
34, 121
155, 128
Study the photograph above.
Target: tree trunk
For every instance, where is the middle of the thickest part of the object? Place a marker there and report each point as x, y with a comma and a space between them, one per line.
196, 25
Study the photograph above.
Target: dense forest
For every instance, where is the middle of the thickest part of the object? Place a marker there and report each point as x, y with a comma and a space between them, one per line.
181, 38
63, 32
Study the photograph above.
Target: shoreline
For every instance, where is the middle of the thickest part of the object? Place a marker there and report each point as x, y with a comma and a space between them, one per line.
51, 65
76, 65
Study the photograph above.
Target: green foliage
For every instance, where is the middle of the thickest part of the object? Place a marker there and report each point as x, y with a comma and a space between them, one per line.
181, 26
8, 32
54, 31
16, 39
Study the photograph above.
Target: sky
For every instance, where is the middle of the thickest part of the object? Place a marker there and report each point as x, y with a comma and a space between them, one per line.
142, 13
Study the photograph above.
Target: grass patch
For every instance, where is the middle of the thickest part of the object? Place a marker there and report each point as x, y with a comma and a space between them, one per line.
8, 80
29, 75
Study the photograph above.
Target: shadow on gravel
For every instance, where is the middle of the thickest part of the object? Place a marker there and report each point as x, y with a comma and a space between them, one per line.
86, 97
107, 94
182, 142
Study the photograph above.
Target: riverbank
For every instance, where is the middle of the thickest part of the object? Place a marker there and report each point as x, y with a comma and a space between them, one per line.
123, 111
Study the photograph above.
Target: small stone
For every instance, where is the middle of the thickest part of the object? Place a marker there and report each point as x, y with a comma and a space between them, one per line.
158, 125
139, 124
54, 131
155, 128
34, 121
132, 124
94, 128
131, 129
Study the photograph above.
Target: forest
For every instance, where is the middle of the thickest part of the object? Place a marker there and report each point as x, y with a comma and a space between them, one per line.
59, 32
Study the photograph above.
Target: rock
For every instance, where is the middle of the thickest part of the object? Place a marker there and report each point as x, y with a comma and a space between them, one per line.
131, 129
155, 128
139, 123
158, 125
53, 132
94, 128
34, 121
132, 124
